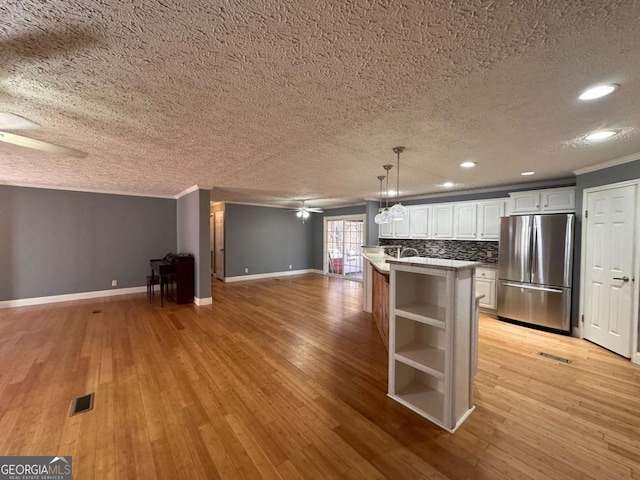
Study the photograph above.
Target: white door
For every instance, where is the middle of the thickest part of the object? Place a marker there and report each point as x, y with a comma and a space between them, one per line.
219, 244
609, 268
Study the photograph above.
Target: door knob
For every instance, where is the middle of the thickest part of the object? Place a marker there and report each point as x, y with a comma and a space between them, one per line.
624, 279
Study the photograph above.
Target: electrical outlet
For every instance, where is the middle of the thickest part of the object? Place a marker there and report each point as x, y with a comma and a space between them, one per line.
290, 267
114, 283
246, 270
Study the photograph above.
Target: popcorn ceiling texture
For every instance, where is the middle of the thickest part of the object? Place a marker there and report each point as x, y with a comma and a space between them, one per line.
484, 252
278, 101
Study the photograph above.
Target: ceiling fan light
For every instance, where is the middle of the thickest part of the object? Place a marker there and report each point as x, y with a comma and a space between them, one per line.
305, 214
299, 213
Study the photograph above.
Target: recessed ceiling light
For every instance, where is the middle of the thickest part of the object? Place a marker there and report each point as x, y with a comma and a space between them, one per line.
601, 135
447, 184
526, 174
597, 92
468, 164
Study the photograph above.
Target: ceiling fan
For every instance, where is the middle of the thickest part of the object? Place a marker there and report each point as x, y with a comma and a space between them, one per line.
11, 121
303, 211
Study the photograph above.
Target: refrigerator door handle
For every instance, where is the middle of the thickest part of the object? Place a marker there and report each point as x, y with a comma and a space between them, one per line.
531, 287
534, 247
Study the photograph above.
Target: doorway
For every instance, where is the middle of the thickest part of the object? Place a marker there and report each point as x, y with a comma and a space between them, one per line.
609, 292
343, 240
218, 244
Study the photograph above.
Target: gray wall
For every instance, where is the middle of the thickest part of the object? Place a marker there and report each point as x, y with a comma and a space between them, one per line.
193, 237
266, 240
318, 230
55, 242
619, 173
371, 209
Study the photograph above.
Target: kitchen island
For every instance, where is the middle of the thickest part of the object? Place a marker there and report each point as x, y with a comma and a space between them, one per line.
433, 337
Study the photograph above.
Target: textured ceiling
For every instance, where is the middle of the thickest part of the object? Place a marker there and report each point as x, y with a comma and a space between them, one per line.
271, 101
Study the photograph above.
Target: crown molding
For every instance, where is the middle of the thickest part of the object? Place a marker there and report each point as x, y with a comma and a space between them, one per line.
85, 190
610, 163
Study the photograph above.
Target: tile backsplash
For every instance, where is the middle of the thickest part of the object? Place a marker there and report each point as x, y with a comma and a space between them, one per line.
484, 252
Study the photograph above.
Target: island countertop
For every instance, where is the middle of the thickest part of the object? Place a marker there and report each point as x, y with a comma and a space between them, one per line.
433, 262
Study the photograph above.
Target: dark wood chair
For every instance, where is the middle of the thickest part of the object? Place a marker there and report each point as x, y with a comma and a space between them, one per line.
152, 281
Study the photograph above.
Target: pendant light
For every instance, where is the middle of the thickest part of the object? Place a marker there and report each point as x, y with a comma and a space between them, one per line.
378, 217
386, 215
398, 212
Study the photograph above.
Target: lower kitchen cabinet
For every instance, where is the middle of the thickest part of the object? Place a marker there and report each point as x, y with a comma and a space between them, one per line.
486, 285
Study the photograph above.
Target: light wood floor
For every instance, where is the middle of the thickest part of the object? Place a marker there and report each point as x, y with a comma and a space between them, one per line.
287, 379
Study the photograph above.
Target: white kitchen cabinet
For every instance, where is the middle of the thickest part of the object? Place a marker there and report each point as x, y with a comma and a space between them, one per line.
551, 200
489, 215
385, 230
401, 227
486, 285
559, 200
420, 221
443, 221
466, 221
525, 202
431, 338
395, 228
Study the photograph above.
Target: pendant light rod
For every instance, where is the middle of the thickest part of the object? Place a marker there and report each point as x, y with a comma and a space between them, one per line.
387, 168
381, 178
398, 151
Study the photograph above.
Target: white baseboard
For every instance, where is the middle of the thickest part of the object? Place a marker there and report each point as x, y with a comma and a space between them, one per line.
636, 358
202, 301
259, 276
575, 332
71, 297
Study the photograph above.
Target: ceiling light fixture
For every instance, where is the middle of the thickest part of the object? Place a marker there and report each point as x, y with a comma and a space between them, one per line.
447, 184
398, 212
598, 92
526, 174
601, 135
468, 164
378, 217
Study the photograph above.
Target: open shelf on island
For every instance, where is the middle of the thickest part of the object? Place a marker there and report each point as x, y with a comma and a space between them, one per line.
419, 389
423, 312
424, 357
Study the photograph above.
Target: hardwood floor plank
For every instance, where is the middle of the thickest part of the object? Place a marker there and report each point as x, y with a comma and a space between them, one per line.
287, 379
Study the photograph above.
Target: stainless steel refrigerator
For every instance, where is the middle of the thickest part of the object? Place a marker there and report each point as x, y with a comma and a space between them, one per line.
534, 269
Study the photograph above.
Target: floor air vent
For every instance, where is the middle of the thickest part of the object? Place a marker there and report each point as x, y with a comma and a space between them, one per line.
82, 404
554, 357
97, 310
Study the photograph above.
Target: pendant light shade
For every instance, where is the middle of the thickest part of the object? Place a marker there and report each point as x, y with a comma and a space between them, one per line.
385, 215
398, 211
378, 217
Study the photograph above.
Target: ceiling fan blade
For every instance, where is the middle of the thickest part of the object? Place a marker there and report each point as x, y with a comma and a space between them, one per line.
315, 210
11, 121
40, 145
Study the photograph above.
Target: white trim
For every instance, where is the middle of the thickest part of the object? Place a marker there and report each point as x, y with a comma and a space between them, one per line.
610, 163
260, 276
560, 182
202, 301
575, 332
189, 190
635, 356
71, 297
85, 190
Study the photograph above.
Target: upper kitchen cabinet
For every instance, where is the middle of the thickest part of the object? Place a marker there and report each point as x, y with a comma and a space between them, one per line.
420, 221
396, 228
551, 200
466, 221
489, 214
443, 221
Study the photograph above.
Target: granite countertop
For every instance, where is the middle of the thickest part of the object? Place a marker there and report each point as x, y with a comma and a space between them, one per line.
379, 262
434, 262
